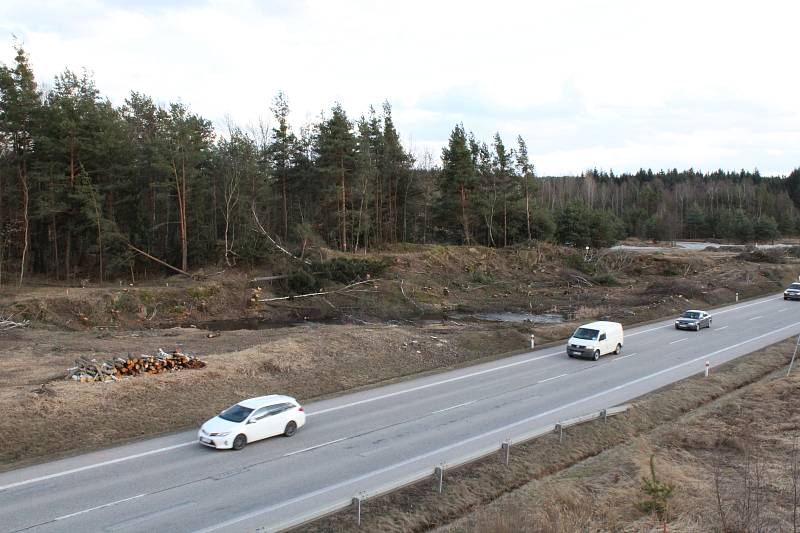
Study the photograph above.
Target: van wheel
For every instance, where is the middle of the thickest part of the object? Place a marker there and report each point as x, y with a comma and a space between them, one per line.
596, 355
618, 350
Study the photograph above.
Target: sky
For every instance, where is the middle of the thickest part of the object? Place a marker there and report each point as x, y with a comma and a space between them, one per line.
614, 85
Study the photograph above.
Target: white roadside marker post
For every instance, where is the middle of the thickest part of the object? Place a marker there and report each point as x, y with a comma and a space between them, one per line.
791, 363
707, 365
439, 473
737, 296
533, 340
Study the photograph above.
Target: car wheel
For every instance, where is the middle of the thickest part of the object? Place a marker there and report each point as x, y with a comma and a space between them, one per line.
570, 355
239, 442
697, 327
291, 429
596, 355
618, 350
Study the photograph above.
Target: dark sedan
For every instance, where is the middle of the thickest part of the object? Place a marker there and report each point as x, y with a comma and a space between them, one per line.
792, 292
695, 320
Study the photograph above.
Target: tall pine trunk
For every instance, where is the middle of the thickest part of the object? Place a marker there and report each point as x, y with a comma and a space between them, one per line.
23, 181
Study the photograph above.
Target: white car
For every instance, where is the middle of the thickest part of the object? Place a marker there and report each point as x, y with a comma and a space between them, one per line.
252, 420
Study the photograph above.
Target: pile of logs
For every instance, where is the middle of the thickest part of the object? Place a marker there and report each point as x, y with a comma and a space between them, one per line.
115, 369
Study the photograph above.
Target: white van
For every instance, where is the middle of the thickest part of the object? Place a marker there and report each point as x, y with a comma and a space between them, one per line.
596, 339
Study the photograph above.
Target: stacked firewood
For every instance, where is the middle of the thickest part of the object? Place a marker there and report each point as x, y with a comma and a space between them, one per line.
115, 369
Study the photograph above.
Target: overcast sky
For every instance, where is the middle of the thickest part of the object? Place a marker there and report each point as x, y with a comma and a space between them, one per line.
608, 84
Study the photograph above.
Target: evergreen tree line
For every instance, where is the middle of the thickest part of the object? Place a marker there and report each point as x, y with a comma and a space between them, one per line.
85, 187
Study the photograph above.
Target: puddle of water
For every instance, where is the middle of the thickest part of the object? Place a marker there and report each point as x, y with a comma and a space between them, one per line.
257, 324
514, 317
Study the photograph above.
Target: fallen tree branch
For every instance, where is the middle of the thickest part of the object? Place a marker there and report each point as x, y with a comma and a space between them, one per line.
407, 297
7, 324
274, 243
344, 289
159, 261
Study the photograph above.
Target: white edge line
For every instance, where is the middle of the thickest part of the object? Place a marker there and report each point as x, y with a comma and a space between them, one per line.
624, 356
92, 466
434, 384
756, 317
680, 340
720, 329
317, 492
362, 477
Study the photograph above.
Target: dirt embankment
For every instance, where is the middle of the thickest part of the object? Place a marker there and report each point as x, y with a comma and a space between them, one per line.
378, 334
740, 424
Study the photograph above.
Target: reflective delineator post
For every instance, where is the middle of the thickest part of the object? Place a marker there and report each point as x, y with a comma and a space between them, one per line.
439, 473
707, 365
533, 340
737, 296
505, 449
357, 505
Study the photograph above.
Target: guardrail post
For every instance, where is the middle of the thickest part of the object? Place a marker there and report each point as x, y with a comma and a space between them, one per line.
439, 473
505, 449
560, 429
357, 505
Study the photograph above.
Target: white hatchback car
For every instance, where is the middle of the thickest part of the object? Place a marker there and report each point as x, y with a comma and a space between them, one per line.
252, 420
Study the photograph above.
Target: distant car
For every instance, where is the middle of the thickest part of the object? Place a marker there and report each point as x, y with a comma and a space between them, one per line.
252, 420
792, 292
693, 319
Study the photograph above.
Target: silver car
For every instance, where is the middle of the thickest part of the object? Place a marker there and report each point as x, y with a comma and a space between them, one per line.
693, 319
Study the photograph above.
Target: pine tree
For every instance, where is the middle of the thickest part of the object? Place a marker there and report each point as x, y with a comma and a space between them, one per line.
20, 105
457, 182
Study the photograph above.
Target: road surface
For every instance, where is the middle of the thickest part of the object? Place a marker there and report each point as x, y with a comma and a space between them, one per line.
367, 439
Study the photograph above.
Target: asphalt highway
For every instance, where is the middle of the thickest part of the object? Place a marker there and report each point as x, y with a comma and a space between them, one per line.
364, 440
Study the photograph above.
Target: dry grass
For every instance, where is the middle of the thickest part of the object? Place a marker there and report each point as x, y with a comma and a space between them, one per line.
591, 482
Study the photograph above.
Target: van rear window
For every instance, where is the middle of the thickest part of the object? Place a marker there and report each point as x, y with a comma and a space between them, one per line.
586, 334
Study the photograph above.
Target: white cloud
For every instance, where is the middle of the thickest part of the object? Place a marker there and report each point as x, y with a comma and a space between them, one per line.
623, 84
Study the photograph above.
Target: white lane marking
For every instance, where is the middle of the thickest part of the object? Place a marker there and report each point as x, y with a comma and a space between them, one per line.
551, 379
362, 477
756, 317
624, 356
95, 465
647, 330
99, 507
454, 407
315, 447
720, 329
434, 384
680, 340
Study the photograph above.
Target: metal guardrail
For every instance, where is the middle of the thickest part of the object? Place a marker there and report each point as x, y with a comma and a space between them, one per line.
437, 470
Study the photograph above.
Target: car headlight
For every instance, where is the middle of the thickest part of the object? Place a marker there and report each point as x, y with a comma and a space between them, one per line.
221, 434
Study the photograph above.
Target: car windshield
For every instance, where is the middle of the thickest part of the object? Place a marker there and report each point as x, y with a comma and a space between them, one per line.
586, 334
794, 286
237, 413
691, 314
